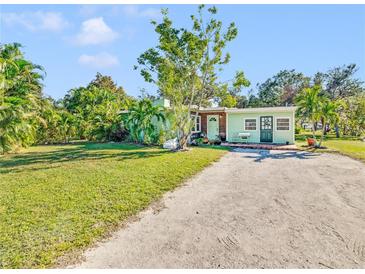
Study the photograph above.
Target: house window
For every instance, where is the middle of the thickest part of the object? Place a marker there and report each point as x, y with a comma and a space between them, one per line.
197, 124
250, 124
282, 124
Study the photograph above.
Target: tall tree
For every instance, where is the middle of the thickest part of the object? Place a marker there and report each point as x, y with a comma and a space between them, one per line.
20, 97
185, 65
328, 114
281, 89
352, 116
308, 102
96, 111
340, 83
106, 82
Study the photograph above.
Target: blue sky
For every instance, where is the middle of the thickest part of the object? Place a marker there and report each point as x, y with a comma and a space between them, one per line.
73, 42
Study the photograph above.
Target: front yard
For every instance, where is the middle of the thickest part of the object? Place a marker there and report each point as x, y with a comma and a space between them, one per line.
349, 146
58, 199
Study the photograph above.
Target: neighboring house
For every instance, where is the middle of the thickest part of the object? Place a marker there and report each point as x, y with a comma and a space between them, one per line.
252, 125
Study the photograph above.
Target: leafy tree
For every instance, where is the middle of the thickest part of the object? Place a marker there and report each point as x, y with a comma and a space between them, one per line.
96, 109
230, 96
340, 83
281, 89
352, 117
228, 101
142, 121
242, 101
107, 83
185, 63
93, 107
253, 101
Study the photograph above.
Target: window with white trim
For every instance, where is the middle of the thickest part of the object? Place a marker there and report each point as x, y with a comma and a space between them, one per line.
282, 124
197, 124
250, 124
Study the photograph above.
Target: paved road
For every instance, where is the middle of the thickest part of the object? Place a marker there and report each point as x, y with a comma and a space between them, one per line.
252, 209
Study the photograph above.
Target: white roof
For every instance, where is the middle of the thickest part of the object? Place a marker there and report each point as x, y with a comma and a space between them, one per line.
264, 109
211, 109
240, 110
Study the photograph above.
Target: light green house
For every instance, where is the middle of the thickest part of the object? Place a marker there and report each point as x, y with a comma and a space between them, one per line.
261, 125
273, 125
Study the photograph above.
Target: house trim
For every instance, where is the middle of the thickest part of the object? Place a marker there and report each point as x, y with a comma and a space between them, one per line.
261, 110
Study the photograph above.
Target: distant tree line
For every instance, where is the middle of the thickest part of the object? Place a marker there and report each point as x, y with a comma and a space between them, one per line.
96, 112
29, 117
338, 85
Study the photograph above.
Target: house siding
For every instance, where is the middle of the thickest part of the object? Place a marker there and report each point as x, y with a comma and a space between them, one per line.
236, 125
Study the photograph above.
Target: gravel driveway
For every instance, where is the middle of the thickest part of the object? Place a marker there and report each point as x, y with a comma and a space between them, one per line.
252, 209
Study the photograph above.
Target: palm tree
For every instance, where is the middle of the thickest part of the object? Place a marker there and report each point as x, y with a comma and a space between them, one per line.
66, 125
142, 120
308, 102
19, 98
328, 114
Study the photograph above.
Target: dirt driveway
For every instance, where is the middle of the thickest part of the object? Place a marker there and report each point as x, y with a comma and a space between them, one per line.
252, 209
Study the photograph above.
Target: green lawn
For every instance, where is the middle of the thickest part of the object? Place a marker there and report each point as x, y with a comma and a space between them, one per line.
350, 146
58, 199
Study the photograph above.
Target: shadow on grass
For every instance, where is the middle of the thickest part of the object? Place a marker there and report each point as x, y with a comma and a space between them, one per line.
328, 137
260, 155
69, 153
218, 147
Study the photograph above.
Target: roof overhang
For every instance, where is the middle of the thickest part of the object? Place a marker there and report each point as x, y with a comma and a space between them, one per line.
213, 109
264, 109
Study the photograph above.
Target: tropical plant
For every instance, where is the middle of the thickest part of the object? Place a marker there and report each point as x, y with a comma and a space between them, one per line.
308, 102
142, 121
340, 83
328, 114
20, 98
96, 109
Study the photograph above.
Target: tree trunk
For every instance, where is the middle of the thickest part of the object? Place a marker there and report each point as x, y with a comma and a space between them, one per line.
323, 132
322, 135
337, 129
183, 142
314, 130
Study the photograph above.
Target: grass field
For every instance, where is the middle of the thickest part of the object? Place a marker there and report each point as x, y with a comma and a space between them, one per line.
58, 199
349, 146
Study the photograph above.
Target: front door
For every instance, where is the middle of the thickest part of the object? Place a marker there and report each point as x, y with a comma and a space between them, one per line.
266, 128
212, 127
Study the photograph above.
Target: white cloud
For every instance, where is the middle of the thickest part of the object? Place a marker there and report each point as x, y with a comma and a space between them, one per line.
35, 21
135, 11
95, 31
101, 60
